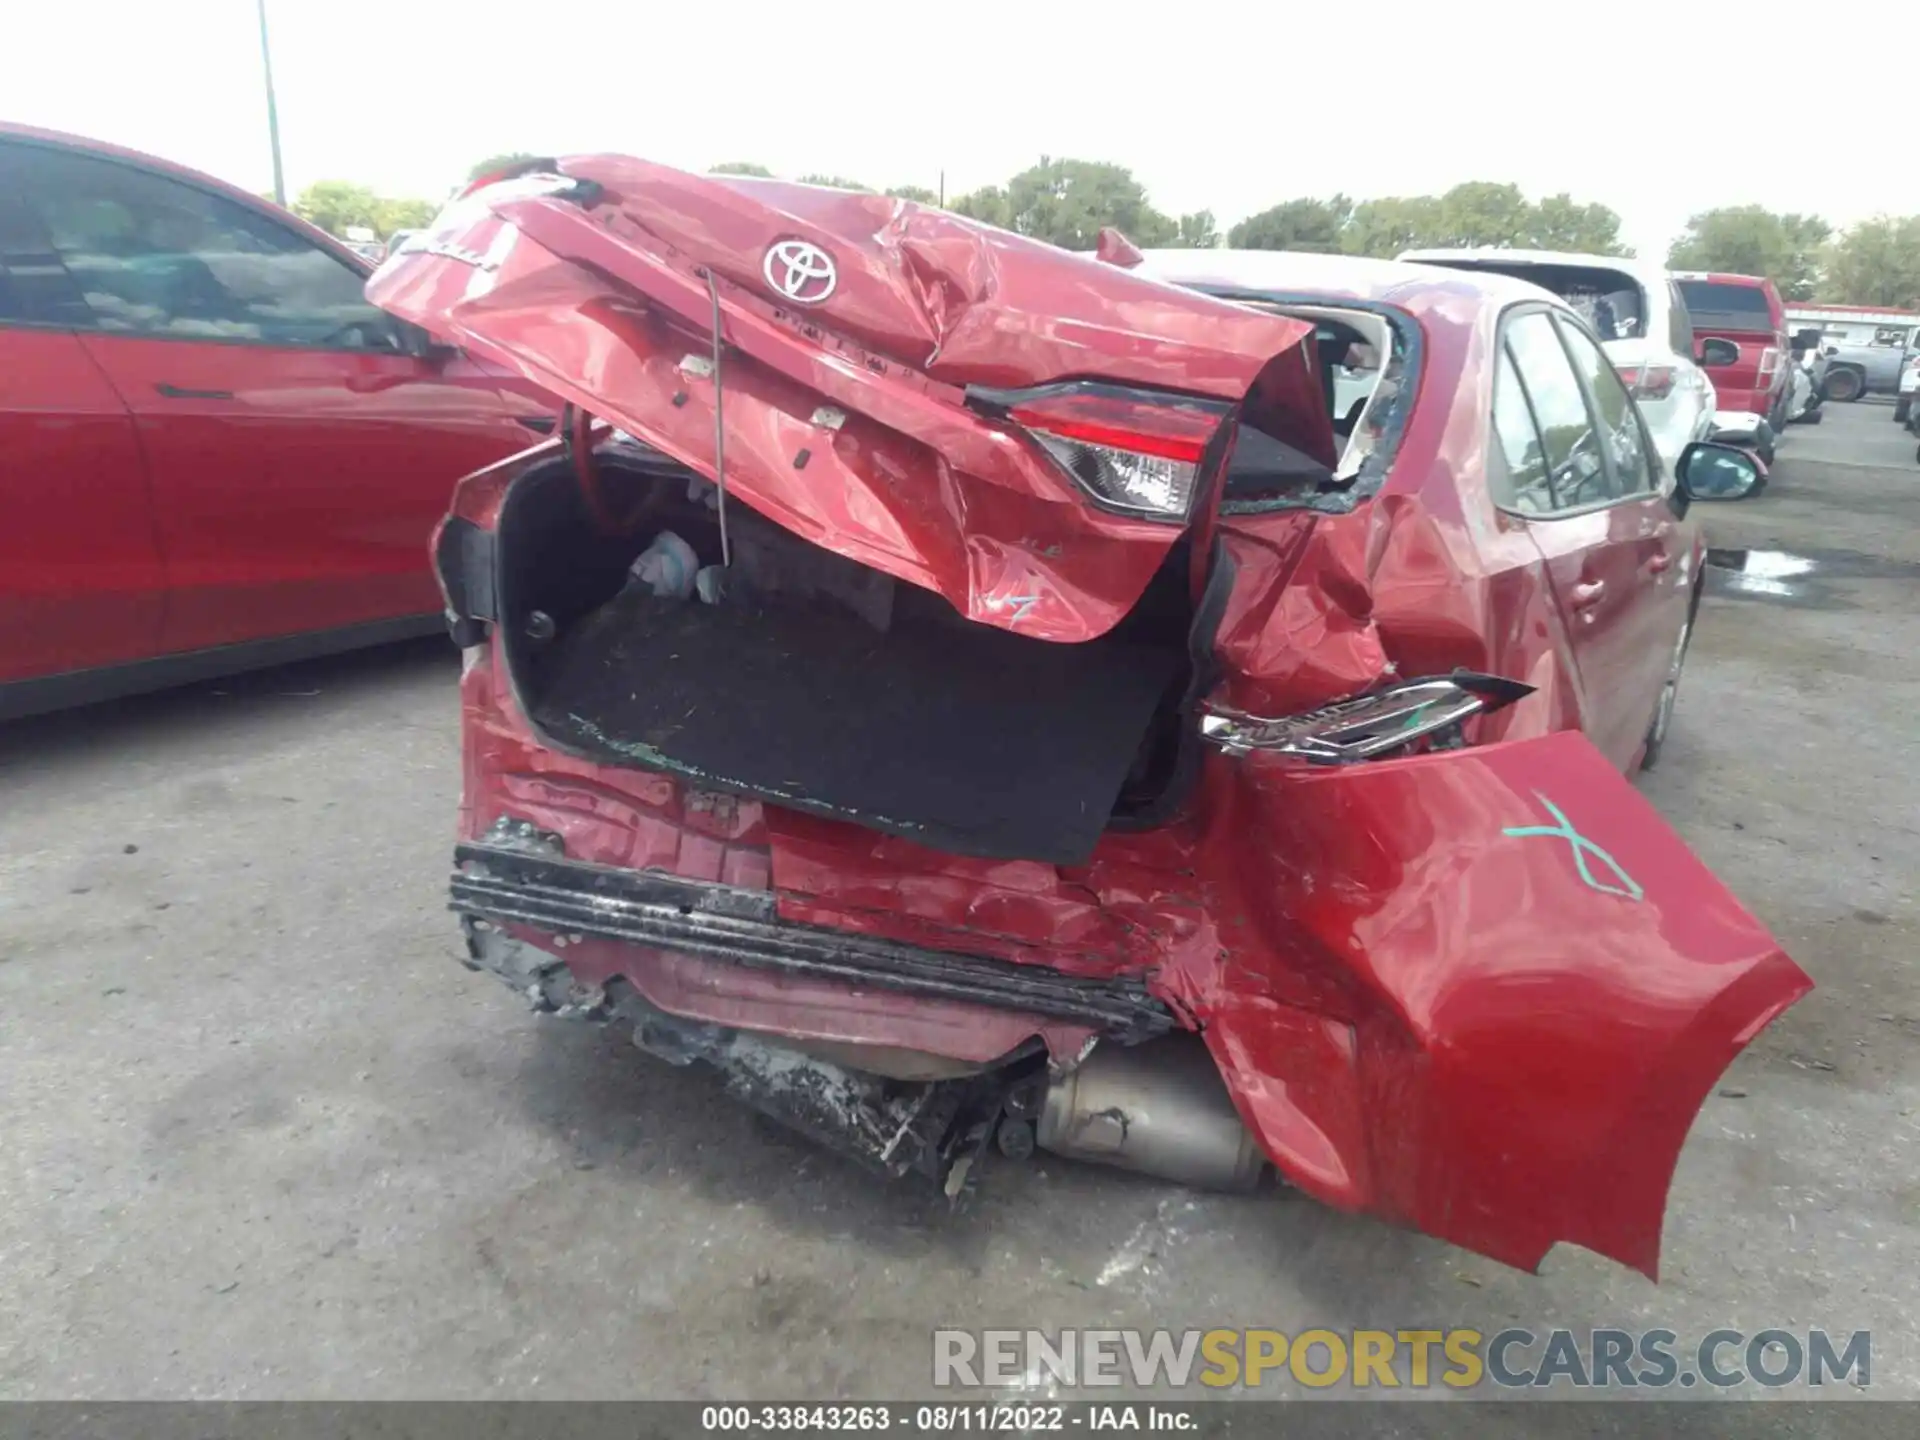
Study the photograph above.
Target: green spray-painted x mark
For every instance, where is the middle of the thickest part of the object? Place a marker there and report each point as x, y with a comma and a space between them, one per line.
1582, 848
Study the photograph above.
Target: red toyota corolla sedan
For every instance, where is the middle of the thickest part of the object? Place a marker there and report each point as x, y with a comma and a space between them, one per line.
976, 697
214, 452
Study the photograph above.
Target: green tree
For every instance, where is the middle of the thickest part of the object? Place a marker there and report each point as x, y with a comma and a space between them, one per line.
1383, 228
1481, 213
742, 167
334, 205
1752, 240
989, 205
395, 215
1558, 223
1198, 231
1068, 203
835, 182
1302, 224
500, 162
1877, 262
918, 194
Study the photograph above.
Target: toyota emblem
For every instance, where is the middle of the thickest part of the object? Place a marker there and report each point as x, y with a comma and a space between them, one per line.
800, 272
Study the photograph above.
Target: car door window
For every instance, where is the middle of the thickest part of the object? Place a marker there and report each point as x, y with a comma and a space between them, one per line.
1576, 464
154, 256
1517, 468
1626, 451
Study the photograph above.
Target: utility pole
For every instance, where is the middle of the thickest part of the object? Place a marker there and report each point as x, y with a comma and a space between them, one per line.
273, 111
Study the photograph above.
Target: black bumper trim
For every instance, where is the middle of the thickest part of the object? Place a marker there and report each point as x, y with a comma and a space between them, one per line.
569, 897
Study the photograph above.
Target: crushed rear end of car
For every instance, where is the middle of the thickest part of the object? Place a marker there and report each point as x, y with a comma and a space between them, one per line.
868, 696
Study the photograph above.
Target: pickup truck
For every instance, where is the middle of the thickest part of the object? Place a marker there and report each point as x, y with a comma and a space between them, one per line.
1752, 371
1867, 349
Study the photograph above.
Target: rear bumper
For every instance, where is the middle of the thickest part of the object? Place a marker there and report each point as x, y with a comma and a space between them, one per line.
515, 884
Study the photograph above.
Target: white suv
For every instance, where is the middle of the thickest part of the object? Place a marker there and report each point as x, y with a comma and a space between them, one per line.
1642, 323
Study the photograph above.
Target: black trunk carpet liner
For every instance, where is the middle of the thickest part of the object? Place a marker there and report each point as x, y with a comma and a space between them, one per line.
959, 736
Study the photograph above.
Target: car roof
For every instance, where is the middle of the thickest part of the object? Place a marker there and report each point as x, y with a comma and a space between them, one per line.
1721, 277
1626, 264
185, 173
1450, 305
1352, 277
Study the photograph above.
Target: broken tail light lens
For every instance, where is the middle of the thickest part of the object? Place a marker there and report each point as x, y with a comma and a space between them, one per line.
1138, 451
1769, 361
1368, 726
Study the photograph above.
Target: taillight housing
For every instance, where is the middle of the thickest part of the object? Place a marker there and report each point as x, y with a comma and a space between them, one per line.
1140, 452
1649, 382
1392, 720
1769, 361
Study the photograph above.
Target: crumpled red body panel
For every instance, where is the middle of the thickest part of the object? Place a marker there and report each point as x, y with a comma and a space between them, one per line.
609, 308
1430, 997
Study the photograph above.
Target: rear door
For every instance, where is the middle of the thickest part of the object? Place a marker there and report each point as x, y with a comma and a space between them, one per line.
299, 454
1580, 475
81, 583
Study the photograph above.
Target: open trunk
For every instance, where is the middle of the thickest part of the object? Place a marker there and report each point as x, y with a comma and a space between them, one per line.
823, 685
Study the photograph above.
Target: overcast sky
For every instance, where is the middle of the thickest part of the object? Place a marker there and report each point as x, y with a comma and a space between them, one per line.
1648, 108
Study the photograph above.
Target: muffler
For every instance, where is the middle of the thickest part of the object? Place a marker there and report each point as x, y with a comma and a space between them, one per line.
1159, 1108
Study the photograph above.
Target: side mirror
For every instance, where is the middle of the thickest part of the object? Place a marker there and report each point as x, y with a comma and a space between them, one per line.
1716, 472
1717, 352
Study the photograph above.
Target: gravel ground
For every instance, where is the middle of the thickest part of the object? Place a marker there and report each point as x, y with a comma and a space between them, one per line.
265, 1139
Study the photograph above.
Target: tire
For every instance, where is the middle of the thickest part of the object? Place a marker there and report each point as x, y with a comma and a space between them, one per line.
1845, 386
1902, 408
1662, 721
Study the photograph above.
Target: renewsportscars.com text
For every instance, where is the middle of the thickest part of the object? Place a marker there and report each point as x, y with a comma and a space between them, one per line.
1601, 1358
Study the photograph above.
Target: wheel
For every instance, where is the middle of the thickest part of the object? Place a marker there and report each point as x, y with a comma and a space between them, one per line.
1669, 692
1902, 408
1845, 385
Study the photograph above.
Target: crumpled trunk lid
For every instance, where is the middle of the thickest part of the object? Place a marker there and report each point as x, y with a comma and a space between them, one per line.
844, 391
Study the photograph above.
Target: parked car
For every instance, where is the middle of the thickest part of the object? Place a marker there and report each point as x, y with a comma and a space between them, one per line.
1866, 348
1746, 312
1640, 318
983, 697
214, 452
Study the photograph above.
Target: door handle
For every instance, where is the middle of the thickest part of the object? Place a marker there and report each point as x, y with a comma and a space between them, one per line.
1584, 597
175, 392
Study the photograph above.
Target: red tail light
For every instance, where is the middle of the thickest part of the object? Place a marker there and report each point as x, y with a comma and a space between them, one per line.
1134, 450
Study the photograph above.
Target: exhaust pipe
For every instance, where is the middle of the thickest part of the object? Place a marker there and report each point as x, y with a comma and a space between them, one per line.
1159, 1108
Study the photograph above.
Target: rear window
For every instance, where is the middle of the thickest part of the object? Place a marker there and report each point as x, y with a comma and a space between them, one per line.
1610, 301
1716, 305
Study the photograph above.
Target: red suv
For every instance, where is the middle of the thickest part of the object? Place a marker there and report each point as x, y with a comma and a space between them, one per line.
214, 452
1749, 368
